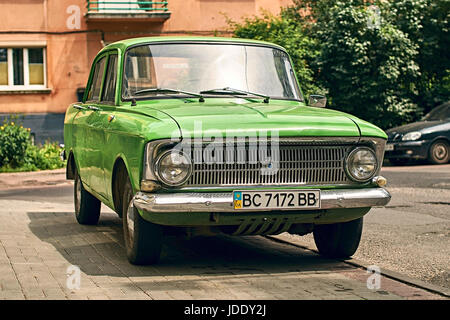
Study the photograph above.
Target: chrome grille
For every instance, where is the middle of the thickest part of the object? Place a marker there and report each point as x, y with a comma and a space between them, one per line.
298, 165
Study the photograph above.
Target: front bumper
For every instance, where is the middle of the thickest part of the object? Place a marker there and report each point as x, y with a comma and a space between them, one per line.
407, 150
223, 202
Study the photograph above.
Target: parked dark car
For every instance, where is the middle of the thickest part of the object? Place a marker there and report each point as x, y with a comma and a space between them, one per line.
428, 139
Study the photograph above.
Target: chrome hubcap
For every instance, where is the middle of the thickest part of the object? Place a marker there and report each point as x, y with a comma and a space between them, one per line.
130, 221
440, 152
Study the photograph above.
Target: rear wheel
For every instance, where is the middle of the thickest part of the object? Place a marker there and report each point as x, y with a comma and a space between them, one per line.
143, 239
439, 152
339, 240
87, 207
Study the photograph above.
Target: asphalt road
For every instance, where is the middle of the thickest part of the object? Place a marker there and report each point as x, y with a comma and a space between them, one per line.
409, 236
59, 194
418, 176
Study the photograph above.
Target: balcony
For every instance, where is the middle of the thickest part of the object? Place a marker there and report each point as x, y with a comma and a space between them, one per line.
131, 10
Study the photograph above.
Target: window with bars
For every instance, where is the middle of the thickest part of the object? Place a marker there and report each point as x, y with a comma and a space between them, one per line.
22, 68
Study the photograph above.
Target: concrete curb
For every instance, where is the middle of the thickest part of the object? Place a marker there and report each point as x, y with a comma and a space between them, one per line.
32, 179
387, 273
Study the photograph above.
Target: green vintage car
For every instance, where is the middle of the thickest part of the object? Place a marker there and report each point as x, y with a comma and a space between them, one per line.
205, 136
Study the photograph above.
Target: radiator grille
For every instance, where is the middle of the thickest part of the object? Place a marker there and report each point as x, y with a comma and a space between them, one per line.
297, 165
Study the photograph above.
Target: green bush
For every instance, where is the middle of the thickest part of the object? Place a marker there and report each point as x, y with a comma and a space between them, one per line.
17, 153
46, 157
14, 142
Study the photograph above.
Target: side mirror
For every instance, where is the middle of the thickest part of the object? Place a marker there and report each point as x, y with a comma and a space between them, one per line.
317, 100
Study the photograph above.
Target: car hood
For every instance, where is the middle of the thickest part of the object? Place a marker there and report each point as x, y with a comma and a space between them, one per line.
238, 117
415, 126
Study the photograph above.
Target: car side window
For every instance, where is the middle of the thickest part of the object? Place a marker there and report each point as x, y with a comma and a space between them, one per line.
109, 90
96, 84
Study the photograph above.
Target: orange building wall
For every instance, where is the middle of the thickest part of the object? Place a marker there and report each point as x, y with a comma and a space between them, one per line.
69, 56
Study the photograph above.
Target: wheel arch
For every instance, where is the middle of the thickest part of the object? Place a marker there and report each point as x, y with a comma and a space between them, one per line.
438, 138
71, 166
119, 172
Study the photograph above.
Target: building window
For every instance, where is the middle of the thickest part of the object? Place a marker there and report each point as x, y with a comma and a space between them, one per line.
3, 67
22, 69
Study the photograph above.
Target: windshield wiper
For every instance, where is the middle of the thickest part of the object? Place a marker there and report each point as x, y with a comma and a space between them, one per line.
168, 90
232, 91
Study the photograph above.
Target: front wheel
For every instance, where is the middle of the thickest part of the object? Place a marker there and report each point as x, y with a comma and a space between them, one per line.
439, 152
87, 207
143, 239
339, 240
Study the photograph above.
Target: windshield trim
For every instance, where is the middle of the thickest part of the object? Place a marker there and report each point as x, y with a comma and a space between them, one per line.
206, 96
212, 42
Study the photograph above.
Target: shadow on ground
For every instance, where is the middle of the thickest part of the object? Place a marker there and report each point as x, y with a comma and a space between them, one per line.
99, 250
406, 162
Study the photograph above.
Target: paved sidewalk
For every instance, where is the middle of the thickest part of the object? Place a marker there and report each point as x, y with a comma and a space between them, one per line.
39, 241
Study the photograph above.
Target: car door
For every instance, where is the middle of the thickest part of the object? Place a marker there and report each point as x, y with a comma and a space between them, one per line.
105, 117
88, 131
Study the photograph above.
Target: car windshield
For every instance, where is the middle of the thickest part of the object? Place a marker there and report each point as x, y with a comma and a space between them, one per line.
439, 113
208, 66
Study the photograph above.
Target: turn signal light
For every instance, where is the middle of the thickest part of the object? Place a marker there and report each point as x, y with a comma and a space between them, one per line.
379, 181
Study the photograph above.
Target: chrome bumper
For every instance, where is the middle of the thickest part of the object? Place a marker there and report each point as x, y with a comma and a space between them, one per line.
223, 202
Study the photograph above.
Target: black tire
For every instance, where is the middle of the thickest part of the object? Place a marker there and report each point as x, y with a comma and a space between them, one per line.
143, 239
87, 207
439, 152
339, 240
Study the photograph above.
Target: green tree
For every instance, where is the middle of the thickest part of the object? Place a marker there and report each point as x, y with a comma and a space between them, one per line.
368, 66
385, 61
414, 79
426, 22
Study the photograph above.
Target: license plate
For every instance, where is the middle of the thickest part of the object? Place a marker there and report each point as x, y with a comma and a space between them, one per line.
389, 147
304, 199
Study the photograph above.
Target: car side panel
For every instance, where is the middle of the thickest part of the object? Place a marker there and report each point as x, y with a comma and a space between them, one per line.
80, 144
125, 137
68, 127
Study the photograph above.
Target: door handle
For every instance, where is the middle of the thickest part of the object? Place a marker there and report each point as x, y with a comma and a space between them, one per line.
93, 108
77, 106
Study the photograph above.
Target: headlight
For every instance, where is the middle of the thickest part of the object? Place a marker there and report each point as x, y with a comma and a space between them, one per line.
173, 168
361, 164
411, 136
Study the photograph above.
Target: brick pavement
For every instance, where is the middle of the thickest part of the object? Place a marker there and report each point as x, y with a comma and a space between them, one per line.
39, 241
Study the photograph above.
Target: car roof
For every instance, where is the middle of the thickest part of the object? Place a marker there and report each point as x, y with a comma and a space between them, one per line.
124, 44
